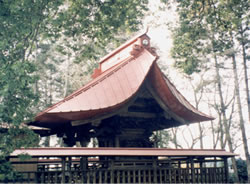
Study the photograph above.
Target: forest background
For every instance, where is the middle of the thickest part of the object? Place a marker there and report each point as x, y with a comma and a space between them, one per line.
49, 48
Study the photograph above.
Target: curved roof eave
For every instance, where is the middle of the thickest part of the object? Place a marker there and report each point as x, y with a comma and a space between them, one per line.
173, 100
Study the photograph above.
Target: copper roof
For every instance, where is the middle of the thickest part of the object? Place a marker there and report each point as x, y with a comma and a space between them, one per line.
66, 151
115, 82
173, 98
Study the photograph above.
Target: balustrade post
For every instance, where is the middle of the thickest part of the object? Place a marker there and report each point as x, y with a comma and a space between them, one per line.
155, 171
83, 168
63, 169
43, 176
226, 169
192, 170
112, 172
201, 171
36, 177
188, 172
69, 169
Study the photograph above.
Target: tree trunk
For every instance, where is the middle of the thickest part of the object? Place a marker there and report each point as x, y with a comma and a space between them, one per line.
50, 89
197, 102
66, 86
201, 135
243, 44
242, 126
222, 133
224, 119
174, 138
214, 134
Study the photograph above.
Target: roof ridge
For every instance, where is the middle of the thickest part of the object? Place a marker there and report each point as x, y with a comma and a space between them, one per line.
121, 47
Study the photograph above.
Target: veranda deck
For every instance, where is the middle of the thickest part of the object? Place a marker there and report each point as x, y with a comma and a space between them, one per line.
122, 165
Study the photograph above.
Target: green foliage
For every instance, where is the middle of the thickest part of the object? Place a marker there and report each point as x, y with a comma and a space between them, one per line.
6, 172
242, 172
206, 28
11, 139
89, 25
17, 33
81, 32
189, 38
16, 137
29, 32
162, 138
213, 31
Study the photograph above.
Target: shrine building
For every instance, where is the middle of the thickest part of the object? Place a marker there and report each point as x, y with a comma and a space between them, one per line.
127, 100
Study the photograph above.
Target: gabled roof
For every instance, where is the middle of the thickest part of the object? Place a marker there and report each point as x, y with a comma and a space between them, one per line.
117, 80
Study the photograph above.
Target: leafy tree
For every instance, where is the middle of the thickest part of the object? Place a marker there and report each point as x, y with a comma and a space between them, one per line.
210, 30
16, 74
26, 24
242, 168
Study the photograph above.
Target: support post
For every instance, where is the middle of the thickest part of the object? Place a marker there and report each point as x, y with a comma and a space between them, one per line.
112, 179
201, 171
188, 171
83, 168
192, 170
69, 169
63, 169
155, 171
226, 169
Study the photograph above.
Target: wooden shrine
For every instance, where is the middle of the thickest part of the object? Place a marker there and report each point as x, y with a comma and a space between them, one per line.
126, 101
128, 98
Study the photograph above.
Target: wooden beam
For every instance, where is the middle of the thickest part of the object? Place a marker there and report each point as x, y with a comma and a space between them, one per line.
167, 115
138, 114
144, 101
146, 94
138, 105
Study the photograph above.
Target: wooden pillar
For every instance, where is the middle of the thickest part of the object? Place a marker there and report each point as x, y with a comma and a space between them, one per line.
155, 171
83, 168
112, 172
192, 170
63, 169
201, 172
36, 177
188, 170
69, 169
43, 176
226, 169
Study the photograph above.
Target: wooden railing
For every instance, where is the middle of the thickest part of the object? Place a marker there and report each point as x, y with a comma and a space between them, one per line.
127, 172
